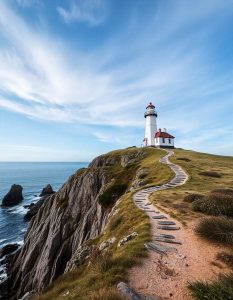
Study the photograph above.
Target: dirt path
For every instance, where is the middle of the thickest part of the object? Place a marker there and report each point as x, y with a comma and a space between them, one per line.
176, 255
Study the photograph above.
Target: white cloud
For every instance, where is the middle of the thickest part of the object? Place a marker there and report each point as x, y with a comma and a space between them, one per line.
91, 12
42, 76
27, 3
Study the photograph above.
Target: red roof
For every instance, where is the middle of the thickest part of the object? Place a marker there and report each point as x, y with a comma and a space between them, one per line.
150, 105
163, 134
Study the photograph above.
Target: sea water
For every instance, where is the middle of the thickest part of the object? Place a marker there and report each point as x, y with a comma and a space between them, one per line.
32, 177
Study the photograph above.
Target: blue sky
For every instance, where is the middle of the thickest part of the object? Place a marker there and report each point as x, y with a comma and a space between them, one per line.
75, 75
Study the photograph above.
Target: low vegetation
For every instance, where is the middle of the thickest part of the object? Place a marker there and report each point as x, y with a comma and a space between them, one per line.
193, 197
210, 174
174, 200
221, 289
226, 258
114, 192
217, 229
215, 204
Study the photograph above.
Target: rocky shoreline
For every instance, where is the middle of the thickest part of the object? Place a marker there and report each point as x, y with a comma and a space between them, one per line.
12, 198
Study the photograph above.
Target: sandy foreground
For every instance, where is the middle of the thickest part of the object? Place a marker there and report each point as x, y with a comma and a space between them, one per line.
167, 276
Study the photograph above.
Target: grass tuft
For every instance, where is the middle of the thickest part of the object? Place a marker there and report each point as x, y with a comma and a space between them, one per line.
221, 289
217, 229
215, 204
184, 159
223, 191
105, 294
226, 258
193, 197
210, 174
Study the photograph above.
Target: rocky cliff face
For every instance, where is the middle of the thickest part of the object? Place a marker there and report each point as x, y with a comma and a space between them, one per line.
63, 223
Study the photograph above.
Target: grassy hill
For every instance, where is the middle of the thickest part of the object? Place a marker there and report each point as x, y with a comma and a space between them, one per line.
97, 278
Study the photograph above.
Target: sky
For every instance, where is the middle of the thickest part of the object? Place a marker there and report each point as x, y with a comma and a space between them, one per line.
76, 75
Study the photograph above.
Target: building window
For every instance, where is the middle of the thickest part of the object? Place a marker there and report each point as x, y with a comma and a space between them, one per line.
169, 141
163, 140
156, 140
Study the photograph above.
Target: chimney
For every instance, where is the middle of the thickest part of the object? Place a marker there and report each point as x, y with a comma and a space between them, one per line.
159, 129
165, 130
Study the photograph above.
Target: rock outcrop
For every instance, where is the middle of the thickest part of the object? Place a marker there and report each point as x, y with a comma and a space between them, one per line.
63, 223
33, 209
8, 249
47, 190
55, 240
14, 196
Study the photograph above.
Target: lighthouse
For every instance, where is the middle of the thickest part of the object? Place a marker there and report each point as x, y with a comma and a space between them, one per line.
151, 126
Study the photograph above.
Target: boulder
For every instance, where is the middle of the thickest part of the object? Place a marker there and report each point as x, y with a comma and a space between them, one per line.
14, 196
47, 190
33, 209
129, 294
29, 206
127, 238
107, 243
8, 249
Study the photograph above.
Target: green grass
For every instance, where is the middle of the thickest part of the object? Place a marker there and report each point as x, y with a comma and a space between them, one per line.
172, 200
216, 290
98, 280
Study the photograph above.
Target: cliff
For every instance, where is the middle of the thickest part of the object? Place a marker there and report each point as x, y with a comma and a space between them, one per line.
79, 211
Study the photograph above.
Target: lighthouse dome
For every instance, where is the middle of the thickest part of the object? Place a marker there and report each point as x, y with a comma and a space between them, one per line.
150, 110
150, 105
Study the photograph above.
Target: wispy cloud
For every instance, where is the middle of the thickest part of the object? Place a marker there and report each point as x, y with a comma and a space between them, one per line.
45, 77
27, 3
91, 12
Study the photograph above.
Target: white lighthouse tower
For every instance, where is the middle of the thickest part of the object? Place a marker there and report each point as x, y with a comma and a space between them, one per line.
151, 126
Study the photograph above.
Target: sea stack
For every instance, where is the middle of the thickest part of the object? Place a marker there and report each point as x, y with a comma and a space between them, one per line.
14, 196
47, 190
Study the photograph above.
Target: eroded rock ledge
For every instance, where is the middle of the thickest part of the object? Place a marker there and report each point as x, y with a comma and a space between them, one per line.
63, 223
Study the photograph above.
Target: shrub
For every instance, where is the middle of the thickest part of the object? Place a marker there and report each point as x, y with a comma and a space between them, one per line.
223, 191
210, 174
218, 229
105, 294
100, 262
227, 258
184, 159
193, 197
117, 220
112, 193
215, 204
221, 289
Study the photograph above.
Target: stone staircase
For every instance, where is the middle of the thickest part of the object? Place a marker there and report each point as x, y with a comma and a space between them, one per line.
163, 224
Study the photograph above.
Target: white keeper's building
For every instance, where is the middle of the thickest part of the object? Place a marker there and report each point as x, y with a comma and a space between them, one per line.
154, 137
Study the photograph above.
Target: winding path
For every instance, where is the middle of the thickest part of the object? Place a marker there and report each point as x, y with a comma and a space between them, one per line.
176, 255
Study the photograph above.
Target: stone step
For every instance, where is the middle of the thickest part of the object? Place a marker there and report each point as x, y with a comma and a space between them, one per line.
161, 249
165, 227
166, 236
167, 241
159, 217
166, 223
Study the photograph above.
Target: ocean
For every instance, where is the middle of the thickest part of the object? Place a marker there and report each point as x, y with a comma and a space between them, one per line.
33, 177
